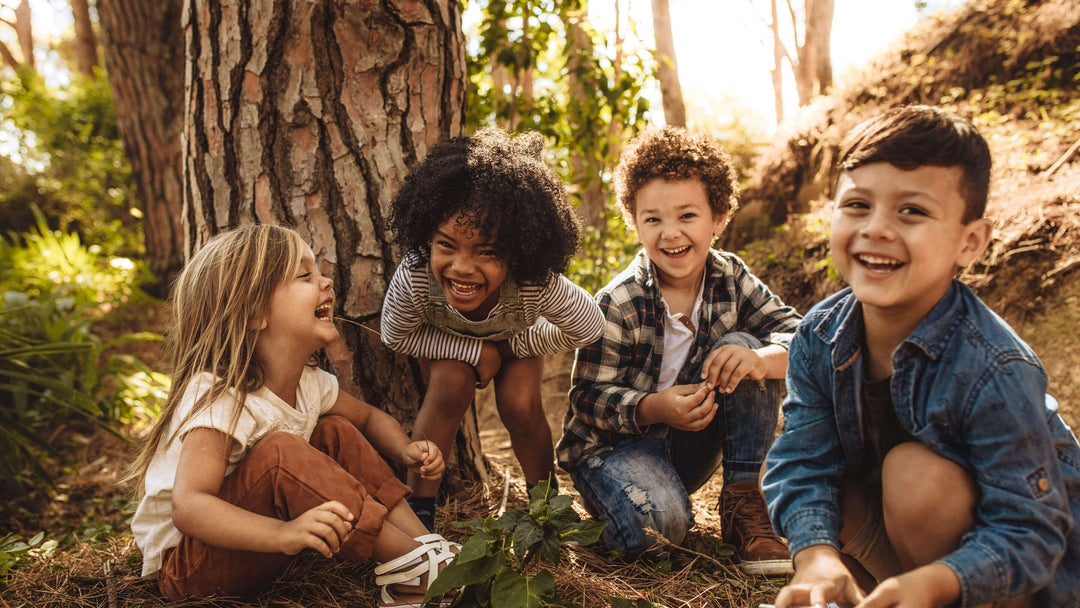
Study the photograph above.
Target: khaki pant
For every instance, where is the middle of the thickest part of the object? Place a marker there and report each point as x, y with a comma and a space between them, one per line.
283, 476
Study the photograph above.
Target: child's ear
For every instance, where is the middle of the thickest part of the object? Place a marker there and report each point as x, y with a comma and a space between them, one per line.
720, 222
257, 323
975, 239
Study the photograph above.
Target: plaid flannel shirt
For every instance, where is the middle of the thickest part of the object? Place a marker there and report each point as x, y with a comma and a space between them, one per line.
614, 373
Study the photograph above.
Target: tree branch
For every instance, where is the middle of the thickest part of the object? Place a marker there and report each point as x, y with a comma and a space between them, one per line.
9, 59
794, 26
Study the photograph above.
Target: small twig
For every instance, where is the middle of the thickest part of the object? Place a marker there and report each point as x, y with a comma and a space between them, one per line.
667, 543
506, 495
110, 583
1064, 158
374, 331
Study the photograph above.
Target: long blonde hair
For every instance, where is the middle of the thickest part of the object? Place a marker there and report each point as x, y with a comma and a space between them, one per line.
221, 293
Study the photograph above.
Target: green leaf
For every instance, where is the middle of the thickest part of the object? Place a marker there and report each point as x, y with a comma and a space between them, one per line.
584, 533
540, 495
510, 520
562, 513
461, 574
526, 535
550, 547
477, 546
511, 590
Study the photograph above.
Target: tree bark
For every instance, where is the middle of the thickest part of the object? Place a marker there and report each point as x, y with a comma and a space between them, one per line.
24, 32
85, 41
144, 55
821, 17
778, 59
585, 169
310, 113
667, 70
813, 73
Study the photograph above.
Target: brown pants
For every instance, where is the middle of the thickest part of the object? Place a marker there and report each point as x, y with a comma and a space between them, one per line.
283, 476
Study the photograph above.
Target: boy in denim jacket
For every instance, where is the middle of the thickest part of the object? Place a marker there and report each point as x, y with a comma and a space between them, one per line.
921, 458
688, 367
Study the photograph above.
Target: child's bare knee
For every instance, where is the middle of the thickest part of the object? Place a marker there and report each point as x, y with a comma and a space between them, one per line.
452, 384
519, 411
919, 485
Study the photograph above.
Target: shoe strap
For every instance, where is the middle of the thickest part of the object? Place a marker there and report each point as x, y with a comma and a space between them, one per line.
408, 569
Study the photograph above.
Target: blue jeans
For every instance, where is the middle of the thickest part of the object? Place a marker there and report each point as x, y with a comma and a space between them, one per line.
645, 481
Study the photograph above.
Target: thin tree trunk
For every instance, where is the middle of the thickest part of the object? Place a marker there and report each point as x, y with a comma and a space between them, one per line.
311, 113
144, 56
24, 32
668, 70
806, 66
778, 58
85, 41
822, 17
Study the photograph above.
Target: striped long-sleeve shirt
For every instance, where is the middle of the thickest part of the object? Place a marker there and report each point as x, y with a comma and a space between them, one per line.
613, 374
559, 316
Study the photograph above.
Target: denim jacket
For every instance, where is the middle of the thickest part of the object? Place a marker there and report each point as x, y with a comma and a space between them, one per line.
966, 386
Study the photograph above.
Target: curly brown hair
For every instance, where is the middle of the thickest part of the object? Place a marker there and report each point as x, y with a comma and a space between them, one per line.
503, 188
674, 154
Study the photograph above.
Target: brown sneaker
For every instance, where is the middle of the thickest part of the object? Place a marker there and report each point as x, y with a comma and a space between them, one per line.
745, 523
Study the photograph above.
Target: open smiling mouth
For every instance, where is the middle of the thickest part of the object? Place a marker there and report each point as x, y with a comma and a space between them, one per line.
325, 311
878, 264
463, 289
676, 252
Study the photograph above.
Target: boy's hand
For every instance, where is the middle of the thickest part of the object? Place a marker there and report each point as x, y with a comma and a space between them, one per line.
928, 586
729, 364
490, 362
820, 577
322, 528
425, 458
687, 407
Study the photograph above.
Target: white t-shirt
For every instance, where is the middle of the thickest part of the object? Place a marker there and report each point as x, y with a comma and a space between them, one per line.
263, 413
679, 333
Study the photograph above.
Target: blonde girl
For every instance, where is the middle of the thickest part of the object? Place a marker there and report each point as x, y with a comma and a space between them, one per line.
257, 455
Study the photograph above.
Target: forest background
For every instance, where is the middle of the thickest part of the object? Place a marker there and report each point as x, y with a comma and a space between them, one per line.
146, 127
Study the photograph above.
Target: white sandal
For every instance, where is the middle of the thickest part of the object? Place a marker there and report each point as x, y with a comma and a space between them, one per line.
410, 568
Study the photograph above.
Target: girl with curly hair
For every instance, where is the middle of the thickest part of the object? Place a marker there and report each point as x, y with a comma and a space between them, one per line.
487, 231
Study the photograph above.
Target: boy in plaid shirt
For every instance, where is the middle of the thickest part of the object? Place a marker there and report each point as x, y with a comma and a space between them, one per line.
687, 373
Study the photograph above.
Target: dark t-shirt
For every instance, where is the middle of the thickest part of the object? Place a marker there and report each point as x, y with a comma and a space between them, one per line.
882, 429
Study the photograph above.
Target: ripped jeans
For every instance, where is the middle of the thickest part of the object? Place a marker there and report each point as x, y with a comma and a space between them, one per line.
646, 481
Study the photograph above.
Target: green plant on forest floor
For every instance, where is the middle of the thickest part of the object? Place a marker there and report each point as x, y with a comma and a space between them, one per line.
493, 567
15, 549
54, 370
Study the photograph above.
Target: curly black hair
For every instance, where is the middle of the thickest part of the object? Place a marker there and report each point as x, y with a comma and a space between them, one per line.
675, 154
503, 187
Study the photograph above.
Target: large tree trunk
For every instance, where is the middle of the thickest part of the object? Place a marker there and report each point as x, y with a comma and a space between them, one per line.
311, 113
144, 55
668, 70
85, 41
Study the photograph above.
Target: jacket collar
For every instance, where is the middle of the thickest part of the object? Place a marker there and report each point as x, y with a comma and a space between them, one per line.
842, 326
